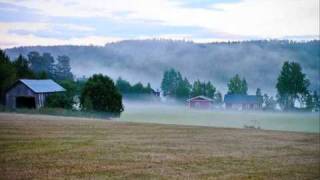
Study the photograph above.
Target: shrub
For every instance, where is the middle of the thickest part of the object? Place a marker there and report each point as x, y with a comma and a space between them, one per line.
59, 100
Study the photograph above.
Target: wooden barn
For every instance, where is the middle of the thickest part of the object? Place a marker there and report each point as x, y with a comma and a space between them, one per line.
200, 102
242, 102
27, 93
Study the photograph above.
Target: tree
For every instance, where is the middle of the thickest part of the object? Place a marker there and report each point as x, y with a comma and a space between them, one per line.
63, 68
70, 86
259, 96
237, 86
202, 88
102, 94
41, 75
47, 64
7, 74
183, 89
59, 100
123, 85
22, 68
317, 101
269, 103
218, 98
292, 84
312, 101
169, 82
174, 85
41, 63
35, 60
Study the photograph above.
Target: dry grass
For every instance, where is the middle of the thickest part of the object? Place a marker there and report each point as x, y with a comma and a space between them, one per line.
38, 146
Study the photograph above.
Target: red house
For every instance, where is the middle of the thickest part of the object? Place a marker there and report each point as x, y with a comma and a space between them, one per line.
200, 102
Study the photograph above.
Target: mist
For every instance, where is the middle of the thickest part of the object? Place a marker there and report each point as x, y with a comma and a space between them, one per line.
145, 60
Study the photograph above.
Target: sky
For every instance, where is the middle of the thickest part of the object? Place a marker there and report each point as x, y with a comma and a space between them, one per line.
97, 22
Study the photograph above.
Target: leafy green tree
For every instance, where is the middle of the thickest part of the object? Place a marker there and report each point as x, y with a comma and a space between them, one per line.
59, 100
63, 68
41, 63
35, 60
237, 86
103, 95
48, 64
70, 86
7, 74
292, 84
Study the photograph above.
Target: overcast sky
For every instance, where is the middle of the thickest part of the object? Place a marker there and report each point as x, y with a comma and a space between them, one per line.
53, 22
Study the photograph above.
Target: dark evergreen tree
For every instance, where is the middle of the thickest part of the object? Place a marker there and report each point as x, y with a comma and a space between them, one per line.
7, 74
22, 68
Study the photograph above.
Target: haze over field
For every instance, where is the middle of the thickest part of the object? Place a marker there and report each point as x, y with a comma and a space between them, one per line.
146, 60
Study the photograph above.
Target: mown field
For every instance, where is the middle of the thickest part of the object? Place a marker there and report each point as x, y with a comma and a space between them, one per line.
53, 147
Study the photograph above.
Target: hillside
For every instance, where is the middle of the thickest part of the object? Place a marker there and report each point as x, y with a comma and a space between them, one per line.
145, 60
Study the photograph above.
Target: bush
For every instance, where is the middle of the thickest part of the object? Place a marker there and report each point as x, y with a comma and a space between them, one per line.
100, 94
59, 100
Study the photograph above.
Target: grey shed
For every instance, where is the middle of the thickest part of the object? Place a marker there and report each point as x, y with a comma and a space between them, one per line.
30, 93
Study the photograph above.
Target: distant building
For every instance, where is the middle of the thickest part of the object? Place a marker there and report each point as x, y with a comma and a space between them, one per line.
27, 93
242, 102
200, 102
156, 92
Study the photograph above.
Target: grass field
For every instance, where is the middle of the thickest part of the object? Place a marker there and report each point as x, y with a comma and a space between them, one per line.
53, 147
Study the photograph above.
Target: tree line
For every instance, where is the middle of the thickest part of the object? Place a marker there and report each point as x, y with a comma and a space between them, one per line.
292, 85
125, 87
176, 86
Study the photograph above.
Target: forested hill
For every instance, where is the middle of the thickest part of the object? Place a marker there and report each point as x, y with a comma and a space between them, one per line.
146, 60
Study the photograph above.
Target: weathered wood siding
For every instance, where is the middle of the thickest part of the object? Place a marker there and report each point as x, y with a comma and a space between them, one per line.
21, 89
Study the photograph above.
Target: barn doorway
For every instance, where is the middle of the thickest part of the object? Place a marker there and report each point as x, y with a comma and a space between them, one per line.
25, 102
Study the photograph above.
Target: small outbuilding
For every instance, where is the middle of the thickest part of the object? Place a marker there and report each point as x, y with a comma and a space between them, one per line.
30, 93
200, 102
242, 102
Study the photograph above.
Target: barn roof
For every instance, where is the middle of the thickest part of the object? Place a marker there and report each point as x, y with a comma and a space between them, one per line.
240, 98
42, 86
203, 98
